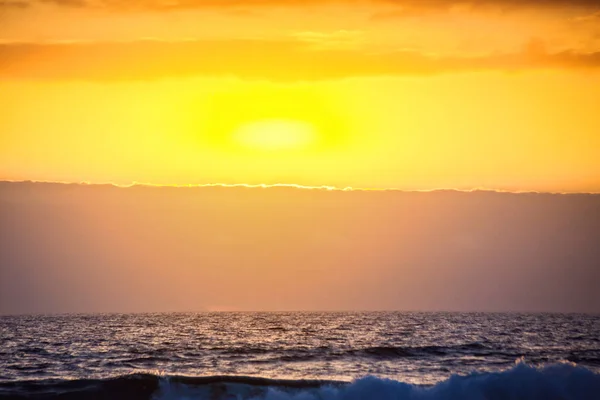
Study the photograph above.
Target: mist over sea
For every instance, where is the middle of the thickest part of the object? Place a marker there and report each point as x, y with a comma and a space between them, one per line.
70, 248
301, 355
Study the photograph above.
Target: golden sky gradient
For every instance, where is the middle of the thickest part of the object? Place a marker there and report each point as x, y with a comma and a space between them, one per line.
501, 94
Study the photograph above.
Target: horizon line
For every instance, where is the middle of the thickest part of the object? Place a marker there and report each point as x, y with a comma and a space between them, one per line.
328, 188
311, 310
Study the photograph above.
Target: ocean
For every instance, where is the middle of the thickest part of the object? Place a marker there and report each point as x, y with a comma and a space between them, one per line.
301, 355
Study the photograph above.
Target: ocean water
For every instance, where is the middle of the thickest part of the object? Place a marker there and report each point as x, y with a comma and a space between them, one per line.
302, 356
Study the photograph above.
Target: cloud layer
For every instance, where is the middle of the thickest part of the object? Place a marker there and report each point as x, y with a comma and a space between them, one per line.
253, 59
427, 5
94, 248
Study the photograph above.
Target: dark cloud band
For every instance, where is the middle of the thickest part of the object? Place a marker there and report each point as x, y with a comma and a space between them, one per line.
270, 60
405, 4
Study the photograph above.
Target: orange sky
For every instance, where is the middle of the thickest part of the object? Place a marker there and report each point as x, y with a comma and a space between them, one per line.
409, 94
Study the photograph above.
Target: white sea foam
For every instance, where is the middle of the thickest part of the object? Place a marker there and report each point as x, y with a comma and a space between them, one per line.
563, 381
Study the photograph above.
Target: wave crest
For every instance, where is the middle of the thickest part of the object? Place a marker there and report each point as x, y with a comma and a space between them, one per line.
564, 381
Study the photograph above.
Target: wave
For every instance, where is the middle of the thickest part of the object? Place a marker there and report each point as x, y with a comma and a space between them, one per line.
375, 352
420, 351
563, 381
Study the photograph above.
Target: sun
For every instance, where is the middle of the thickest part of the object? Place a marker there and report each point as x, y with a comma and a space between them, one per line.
275, 135
265, 120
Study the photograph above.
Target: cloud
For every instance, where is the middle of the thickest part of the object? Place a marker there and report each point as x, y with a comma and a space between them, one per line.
427, 5
287, 60
92, 248
341, 39
5, 184
592, 17
14, 4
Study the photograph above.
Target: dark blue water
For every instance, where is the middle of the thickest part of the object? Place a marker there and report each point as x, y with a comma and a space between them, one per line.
301, 355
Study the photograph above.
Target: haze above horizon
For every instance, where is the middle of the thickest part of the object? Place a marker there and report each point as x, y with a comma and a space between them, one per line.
93, 248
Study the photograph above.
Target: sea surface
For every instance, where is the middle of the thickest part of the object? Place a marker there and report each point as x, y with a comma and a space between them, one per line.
302, 356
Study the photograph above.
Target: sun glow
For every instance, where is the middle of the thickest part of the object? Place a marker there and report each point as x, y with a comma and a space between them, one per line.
275, 134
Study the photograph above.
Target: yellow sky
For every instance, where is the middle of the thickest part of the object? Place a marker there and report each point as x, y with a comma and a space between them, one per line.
388, 94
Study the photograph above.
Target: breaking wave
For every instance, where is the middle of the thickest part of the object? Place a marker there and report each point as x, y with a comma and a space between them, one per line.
563, 381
